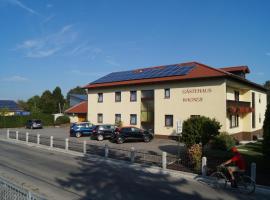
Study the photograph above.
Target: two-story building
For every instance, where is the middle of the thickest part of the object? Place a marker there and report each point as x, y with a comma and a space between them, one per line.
157, 97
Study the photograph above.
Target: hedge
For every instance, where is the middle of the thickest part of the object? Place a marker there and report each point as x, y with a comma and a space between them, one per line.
62, 120
20, 121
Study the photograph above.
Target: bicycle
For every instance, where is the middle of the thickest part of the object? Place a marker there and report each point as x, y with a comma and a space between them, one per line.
221, 178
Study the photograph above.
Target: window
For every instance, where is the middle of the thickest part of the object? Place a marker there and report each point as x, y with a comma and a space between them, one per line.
133, 95
133, 119
117, 96
167, 93
234, 121
100, 97
168, 120
236, 95
117, 118
100, 118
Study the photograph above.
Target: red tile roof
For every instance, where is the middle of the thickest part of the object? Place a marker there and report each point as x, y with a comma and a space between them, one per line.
199, 71
78, 108
244, 69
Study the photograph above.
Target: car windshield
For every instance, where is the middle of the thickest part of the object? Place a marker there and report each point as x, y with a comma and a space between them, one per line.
37, 121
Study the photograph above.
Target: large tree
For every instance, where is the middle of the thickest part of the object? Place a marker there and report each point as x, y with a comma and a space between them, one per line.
267, 85
34, 104
266, 133
47, 102
58, 99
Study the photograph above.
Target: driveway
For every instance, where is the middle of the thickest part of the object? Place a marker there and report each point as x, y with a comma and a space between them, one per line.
156, 145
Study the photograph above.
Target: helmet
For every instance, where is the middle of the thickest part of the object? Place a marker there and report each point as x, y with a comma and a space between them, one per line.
234, 150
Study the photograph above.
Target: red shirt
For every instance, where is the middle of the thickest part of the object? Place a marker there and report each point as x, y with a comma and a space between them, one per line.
239, 161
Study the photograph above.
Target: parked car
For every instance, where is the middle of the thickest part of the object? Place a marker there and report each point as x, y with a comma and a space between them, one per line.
33, 123
81, 129
101, 132
132, 134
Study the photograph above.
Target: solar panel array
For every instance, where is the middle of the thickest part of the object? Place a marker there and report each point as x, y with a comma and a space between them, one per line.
10, 105
156, 72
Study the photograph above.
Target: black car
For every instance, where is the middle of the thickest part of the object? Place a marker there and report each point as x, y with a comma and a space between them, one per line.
101, 132
34, 123
132, 134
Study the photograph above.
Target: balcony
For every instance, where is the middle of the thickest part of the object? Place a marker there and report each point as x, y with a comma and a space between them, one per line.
238, 107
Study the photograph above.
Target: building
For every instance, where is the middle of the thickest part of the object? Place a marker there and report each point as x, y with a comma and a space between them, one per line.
9, 108
78, 112
157, 97
76, 99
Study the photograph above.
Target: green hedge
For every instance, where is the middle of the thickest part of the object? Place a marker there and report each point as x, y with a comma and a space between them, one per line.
223, 141
62, 120
20, 121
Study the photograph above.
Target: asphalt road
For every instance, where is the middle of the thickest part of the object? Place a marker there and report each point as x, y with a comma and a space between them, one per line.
63, 176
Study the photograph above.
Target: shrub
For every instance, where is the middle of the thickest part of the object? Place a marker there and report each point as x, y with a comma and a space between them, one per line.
266, 133
194, 153
199, 130
62, 120
223, 141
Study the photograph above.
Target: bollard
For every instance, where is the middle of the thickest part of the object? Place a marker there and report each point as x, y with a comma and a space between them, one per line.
66, 144
204, 166
17, 135
51, 142
8, 134
26, 137
84, 147
106, 151
38, 139
164, 160
253, 171
132, 154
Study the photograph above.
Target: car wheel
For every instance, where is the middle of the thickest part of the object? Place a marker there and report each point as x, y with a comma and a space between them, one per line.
119, 140
78, 134
146, 139
100, 137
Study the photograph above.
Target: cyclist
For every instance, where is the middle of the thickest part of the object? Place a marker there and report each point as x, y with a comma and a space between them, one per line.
239, 165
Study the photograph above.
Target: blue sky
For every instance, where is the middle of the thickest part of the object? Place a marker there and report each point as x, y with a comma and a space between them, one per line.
44, 43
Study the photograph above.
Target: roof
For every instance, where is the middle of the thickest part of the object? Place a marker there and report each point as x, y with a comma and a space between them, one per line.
244, 69
79, 96
79, 108
190, 71
10, 105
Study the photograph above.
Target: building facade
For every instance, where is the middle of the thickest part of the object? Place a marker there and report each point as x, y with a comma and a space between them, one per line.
158, 102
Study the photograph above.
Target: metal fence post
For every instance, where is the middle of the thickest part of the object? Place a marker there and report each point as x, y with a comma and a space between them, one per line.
253, 171
26, 137
51, 141
84, 147
204, 166
132, 154
17, 135
106, 151
8, 134
66, 144
38, 139
164, 160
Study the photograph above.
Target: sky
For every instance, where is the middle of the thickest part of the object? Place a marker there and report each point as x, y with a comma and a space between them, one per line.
45, 43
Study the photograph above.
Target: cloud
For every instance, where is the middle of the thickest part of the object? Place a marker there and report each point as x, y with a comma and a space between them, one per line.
48, 45
15, 78
110, 60
23, 6
259, 73
49, 18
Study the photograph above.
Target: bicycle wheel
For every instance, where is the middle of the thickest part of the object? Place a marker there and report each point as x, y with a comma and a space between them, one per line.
219, 180
246, 185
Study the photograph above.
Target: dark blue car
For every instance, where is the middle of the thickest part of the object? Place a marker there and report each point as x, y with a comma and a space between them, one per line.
81, 129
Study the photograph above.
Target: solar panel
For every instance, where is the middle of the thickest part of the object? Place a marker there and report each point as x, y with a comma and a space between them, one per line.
10, 105
156, 72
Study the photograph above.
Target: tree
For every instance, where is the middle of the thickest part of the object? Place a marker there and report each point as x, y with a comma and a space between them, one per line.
76, 90
3, 112
267, 86
198, 130
58, 99
266, 133
23, 105
47, 103
34, 104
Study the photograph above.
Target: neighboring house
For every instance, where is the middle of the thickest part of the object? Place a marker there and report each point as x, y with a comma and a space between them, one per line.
11, 107
78, 112
157, 97
77, 98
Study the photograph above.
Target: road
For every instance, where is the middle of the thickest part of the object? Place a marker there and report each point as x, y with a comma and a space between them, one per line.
63, 176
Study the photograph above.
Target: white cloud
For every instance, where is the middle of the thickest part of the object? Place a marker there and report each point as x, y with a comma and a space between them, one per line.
49, 18
48, 45
15, 78
23, 6
110, 60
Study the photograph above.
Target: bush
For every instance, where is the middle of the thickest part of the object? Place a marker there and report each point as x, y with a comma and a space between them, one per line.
194, 153
266, 133
62, 120
223, 141
20, 121
199, 130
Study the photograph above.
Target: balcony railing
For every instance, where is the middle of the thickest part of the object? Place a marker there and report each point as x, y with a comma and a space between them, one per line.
238, 103
238, 107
